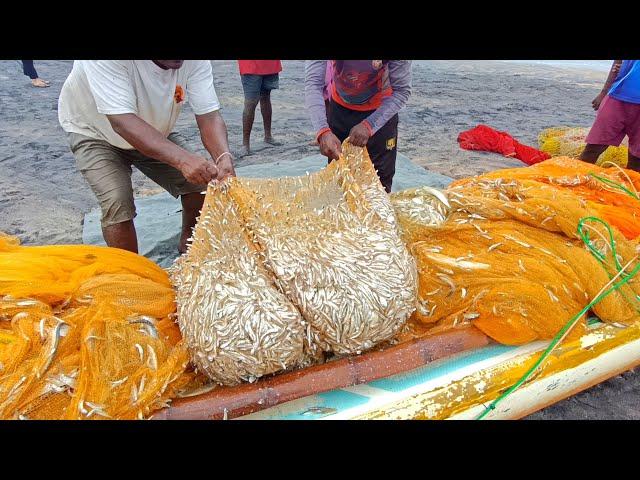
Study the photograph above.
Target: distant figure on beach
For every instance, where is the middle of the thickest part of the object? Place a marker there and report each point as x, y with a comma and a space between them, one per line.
618, 107
258, 77
30, 71
120, 113
365, 98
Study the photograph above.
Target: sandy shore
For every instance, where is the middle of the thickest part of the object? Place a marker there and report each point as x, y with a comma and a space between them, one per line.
43, 198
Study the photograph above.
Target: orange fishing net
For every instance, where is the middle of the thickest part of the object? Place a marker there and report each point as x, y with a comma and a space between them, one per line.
85, 332
508, 257
568, 141
601, 188
88, 332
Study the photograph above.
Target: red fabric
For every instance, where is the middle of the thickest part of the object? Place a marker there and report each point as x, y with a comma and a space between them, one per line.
259, 67
487, 139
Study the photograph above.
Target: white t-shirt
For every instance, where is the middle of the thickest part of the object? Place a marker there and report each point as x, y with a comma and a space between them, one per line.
96, 88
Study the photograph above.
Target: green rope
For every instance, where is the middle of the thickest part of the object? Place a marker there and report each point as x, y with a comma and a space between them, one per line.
584, 236
616, 185
593, 321
624, 279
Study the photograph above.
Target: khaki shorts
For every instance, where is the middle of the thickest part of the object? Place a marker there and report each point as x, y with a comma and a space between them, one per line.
107, 170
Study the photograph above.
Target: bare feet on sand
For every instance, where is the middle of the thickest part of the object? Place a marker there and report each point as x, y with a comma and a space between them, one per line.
272, 141
246, 150
38, 82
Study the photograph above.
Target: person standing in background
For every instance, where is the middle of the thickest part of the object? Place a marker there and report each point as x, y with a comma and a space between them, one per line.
30, 71
366, 96
618, 107
258, 77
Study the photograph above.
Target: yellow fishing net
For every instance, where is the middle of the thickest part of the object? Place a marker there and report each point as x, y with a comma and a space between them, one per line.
282, 270
85, 332
508, 256
570, 141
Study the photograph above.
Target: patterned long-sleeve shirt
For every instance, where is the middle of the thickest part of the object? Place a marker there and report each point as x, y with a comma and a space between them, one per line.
383, 86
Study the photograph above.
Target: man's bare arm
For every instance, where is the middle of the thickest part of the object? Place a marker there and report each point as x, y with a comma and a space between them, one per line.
151, 143
613, 73
213, 132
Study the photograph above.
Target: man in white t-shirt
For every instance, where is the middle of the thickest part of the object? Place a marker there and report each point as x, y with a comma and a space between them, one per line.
120, 113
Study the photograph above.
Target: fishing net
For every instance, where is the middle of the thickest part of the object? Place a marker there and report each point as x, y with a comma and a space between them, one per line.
281, 271
567, 141
237, 324
519, 251
609, 193
85, 332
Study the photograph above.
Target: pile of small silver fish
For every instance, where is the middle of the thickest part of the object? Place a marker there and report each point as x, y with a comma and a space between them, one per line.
237, 325
425, 206
292, 268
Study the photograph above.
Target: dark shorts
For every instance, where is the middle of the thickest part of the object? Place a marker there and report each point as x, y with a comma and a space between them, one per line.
107, 170
256, 85
382, 146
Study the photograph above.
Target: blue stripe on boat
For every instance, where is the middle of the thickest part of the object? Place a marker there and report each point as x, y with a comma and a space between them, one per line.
445, 366
328, 403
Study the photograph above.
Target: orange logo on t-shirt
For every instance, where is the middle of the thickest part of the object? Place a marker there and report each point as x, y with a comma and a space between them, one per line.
178, 96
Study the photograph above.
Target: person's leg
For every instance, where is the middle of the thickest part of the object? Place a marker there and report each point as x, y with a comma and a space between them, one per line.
248, 116
269, 82
381, 147
30, 70
341, 120
191, 206
174, 182
108, 173
632, 123
608, 129
383, 150
265, 110
633, 162
592, 152
121, 235
251, 85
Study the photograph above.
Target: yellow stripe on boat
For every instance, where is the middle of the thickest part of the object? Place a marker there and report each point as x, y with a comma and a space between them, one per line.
461, 386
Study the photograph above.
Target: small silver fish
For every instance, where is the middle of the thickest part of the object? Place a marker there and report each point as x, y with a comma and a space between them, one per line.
494, 246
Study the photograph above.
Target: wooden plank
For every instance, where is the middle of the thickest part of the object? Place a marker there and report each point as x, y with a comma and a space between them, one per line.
232, 402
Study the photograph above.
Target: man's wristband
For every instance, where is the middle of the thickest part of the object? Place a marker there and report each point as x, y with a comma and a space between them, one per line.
222, 155
322, 132
368, 126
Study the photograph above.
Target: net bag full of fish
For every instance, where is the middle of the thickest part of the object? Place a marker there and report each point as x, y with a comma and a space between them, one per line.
281, 270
